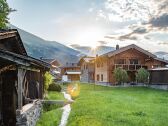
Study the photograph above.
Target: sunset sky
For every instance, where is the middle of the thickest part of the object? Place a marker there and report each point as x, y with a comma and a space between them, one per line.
95, 22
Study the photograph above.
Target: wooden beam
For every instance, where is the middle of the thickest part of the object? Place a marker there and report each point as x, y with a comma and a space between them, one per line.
14, 59
6, 35
9, 67
21, 74
30, 69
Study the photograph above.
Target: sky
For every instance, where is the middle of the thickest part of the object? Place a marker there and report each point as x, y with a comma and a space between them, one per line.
95, 22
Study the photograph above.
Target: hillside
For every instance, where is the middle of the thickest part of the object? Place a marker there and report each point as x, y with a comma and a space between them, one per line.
93, 52
38, 47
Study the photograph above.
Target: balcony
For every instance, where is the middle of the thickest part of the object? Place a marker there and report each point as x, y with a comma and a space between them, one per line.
130, 67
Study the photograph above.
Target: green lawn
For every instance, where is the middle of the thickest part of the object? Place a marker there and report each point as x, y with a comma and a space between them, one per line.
53, 95
53, 116
133, 106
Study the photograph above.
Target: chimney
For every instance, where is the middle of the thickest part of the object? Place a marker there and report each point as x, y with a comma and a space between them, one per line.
117, 47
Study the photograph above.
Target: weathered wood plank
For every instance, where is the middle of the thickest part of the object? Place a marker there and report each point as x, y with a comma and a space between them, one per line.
21, 74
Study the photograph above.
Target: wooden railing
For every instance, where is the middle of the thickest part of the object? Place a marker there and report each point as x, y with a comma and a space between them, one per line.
130, 67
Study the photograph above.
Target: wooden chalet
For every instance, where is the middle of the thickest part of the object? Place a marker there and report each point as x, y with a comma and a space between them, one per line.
21, 77
131, 58
87, 66
70, 72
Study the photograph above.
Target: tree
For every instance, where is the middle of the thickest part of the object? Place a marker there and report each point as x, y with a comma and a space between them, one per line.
142, 75
4, 12
120, 75
48, 79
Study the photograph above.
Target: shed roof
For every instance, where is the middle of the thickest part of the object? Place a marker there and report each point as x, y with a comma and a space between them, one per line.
159, 69
13, 34
22, 60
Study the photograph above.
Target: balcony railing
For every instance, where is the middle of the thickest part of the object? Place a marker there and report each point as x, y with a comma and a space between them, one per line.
130, 67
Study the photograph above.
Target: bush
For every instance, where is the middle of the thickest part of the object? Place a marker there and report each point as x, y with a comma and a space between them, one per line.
48, 79
54, 87
142, 75
120, 75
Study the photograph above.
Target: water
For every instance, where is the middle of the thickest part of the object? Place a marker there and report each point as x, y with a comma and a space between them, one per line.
66, 110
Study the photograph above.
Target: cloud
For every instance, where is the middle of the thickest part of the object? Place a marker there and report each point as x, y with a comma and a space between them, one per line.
160, 22
163, 43
133, 35
102, 42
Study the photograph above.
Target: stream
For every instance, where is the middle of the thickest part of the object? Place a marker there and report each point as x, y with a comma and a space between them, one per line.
66, 110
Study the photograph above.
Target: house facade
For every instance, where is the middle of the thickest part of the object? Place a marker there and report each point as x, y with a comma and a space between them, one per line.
87, 65
70, 72
131, 58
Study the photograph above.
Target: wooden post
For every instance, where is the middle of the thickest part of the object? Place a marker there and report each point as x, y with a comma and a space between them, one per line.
41, 85
21, 74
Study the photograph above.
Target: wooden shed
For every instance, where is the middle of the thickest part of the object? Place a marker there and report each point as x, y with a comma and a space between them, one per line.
21, 77
159, 76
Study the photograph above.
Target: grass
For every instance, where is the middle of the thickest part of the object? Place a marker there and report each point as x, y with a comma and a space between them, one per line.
51, 115
53, 95
132, 106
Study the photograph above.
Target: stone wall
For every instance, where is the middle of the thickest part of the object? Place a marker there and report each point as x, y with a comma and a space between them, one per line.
29, 115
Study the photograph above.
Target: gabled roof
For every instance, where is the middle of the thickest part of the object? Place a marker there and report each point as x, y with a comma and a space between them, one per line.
86, 59
50, 60
16, 41
70, 65
132, 46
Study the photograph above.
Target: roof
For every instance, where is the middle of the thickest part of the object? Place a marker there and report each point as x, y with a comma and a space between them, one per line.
56, 63
86, 59
70, 65
73, 72
22, 60
13, 33
159, 69
162, 60
132, 46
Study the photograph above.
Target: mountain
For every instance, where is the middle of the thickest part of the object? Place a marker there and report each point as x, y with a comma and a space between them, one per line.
93, 52
38, 47
162, 55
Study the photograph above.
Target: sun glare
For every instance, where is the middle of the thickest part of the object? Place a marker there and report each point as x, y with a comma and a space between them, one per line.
90, 37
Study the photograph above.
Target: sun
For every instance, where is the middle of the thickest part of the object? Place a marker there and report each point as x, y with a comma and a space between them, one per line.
94, 45
90, 37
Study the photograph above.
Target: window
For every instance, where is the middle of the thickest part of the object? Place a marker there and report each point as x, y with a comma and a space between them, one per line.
97, 77
133, 61
120, 61
102, 77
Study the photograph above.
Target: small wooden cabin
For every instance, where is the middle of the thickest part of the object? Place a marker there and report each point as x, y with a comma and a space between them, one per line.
70, 72
21, 77
158, 76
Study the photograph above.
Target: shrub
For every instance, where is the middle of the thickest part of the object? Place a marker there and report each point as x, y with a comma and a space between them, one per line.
142, 75
48, 79
120, 75
54, 87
